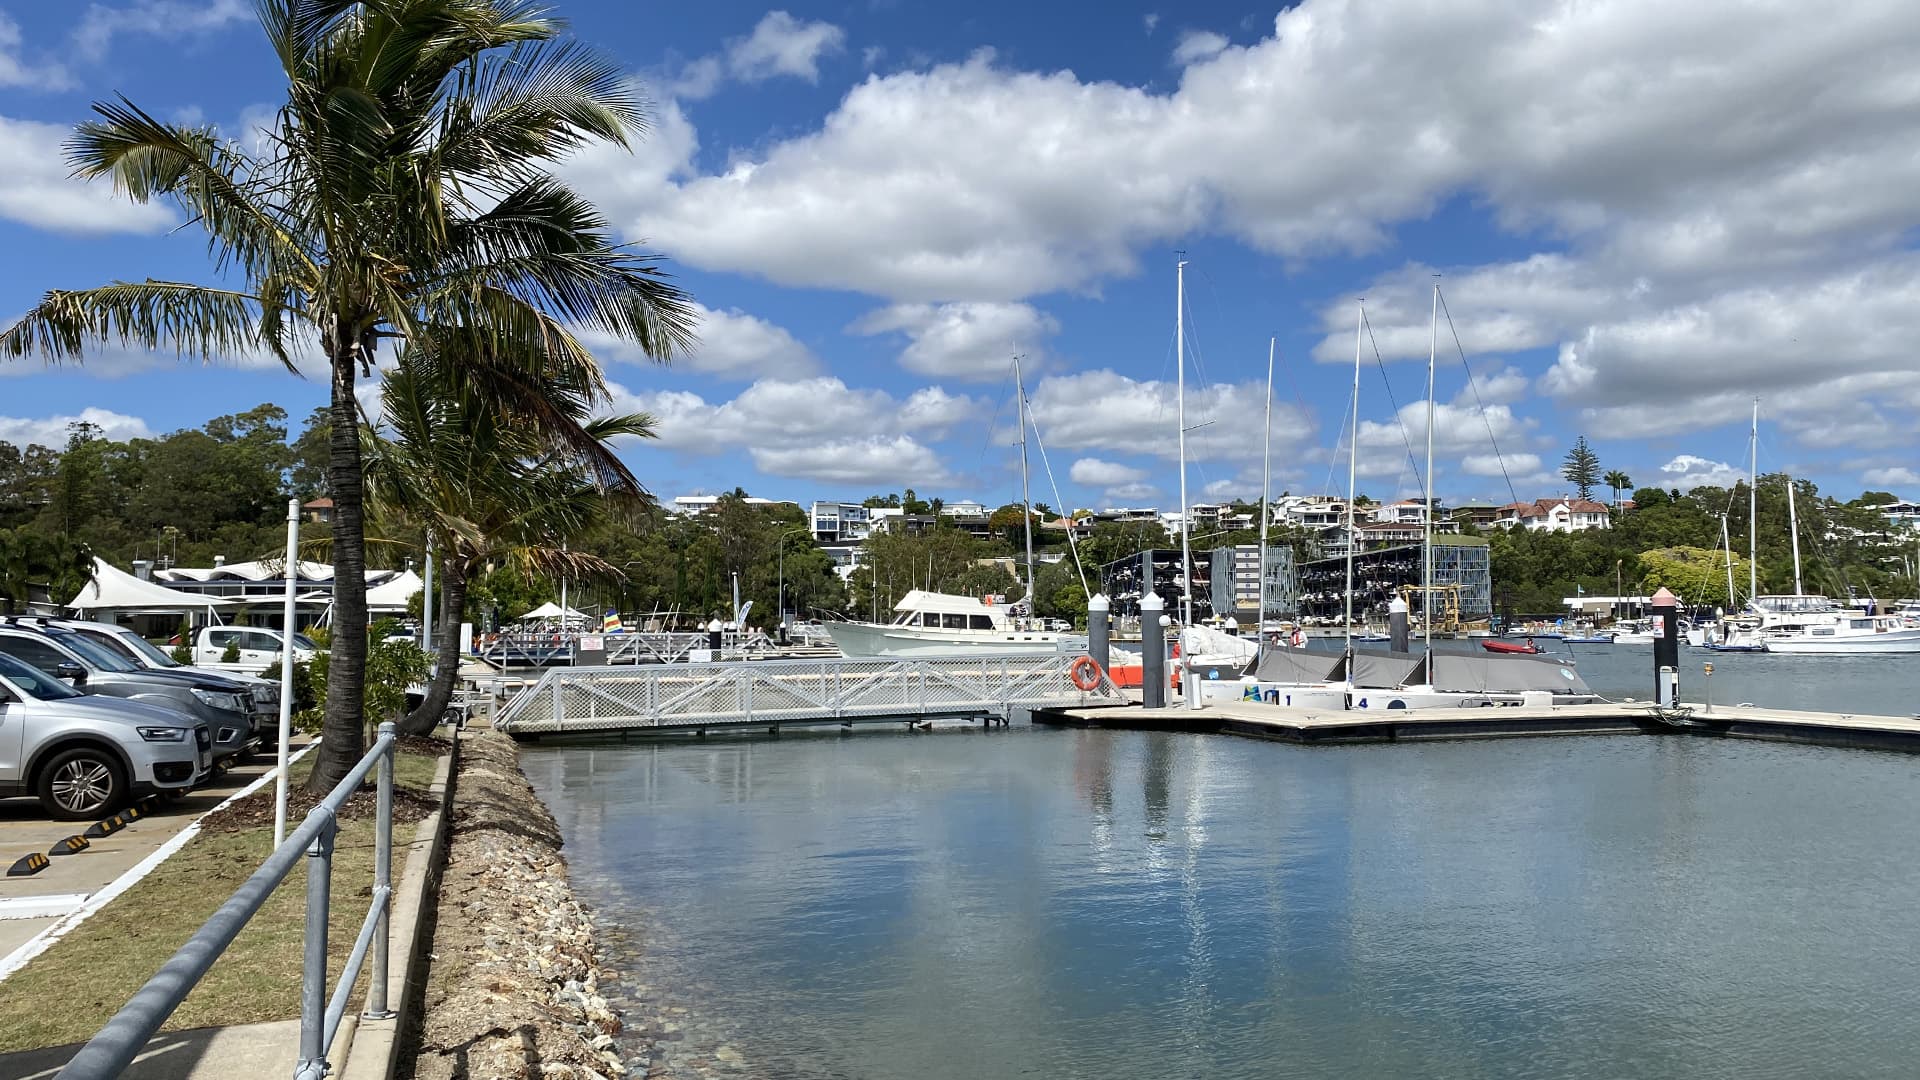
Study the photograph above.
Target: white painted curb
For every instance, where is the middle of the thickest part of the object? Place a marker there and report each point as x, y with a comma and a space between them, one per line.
44, 940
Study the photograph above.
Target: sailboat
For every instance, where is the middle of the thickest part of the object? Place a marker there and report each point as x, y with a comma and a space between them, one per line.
928, 623
1369, 679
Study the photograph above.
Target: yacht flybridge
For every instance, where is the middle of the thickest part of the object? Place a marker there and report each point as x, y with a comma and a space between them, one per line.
939, 624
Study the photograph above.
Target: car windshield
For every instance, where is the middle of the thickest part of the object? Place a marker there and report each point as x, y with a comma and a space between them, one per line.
33, 681
302, 641
135, 643
97, 654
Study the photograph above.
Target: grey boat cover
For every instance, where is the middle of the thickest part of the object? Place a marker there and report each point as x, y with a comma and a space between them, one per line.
1298, 666
1379, 669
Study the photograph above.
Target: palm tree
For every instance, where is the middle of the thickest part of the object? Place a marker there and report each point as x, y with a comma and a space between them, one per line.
27, 559
1619, 482
485, 492
401, 195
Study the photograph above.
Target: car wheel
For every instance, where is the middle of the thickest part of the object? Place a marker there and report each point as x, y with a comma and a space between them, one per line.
81, 784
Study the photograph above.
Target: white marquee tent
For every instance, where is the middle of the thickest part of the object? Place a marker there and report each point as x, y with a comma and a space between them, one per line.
115, 590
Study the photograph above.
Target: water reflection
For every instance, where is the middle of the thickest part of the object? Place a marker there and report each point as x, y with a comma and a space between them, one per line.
1083, 903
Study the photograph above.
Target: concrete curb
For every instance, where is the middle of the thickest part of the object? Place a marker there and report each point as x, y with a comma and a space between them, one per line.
369, 1049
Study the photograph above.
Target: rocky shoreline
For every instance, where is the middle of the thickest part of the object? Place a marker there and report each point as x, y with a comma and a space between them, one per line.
513, 977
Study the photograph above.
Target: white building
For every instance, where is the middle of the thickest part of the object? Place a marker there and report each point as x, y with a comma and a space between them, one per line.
689, 505
840, 522
1555, 515
1404, 512
965, 508
1309, 511
1901, 514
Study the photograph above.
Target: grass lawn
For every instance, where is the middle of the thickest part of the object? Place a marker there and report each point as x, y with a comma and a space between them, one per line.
70, 991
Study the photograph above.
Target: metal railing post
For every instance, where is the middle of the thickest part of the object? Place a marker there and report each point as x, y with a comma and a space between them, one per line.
313, 971
382, 881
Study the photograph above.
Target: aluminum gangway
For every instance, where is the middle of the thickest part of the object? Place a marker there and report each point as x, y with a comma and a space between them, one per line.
545, 648
776, 693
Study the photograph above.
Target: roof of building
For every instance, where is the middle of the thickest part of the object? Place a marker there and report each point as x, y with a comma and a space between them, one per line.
321, 503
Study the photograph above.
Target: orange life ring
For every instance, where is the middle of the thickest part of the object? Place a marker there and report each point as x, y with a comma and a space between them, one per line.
1084, 674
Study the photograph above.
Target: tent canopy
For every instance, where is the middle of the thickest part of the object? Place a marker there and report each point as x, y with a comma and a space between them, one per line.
393, 593
551, 610
116, 590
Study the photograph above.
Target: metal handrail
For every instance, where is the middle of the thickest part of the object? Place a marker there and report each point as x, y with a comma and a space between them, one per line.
114, 1047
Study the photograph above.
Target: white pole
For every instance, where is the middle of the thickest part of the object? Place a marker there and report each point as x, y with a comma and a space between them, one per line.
426, 602
1026, 499
1186, 550
1426, 541
1753, 509
291, 572
1353, 463
1793, 528
1266, 495
1727, 543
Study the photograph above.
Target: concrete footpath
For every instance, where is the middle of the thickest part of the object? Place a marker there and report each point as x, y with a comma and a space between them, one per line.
29, 905
361, 1050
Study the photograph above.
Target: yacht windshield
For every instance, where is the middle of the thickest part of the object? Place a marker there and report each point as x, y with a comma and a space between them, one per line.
33, 681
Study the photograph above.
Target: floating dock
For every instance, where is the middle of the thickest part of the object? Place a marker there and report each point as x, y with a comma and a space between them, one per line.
1319, 726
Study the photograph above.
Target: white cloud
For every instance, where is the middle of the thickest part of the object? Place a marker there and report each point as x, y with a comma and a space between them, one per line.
731, 343
1198, 45
52, 430
35, 189
1104, 410
1095, 472
805, 428
1893, 476
974, 341
1130, 493
1689, 471
157, 18
1512, 465
15, 71
1150, 20
783, 45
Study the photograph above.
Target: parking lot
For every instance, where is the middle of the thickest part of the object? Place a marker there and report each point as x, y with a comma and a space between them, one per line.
29, 905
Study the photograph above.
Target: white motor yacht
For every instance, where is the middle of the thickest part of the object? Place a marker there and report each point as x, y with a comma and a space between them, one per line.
942, 624
1806, 623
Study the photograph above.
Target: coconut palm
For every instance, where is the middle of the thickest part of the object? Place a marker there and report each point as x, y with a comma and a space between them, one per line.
27, 559
1619, 482
443, 462
400, 195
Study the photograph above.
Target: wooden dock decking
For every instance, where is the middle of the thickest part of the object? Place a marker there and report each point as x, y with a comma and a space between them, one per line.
1320, 726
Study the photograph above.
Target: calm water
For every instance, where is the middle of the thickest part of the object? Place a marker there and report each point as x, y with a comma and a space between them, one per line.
1046, 903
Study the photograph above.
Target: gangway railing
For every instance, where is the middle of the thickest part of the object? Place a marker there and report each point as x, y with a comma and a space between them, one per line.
775, 692
115, 1046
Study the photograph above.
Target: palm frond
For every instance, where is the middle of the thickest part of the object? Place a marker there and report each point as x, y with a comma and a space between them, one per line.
192, 320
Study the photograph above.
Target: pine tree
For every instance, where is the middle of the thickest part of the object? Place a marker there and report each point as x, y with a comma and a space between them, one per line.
1582, 467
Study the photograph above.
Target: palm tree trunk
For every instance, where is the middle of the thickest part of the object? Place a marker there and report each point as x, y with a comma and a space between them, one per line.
343, 732
453, 601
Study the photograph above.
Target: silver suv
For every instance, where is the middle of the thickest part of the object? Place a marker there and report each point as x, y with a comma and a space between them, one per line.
143, 653
83, 755
222, 704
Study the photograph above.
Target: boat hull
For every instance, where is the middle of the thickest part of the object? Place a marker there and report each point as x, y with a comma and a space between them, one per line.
871, 639
1900, 641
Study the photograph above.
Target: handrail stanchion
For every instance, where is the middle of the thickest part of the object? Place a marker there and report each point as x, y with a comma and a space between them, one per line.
382, 882
313, 971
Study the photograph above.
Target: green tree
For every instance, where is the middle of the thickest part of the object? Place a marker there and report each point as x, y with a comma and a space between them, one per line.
1581, 468
1698, 576
1619, 482
402, 195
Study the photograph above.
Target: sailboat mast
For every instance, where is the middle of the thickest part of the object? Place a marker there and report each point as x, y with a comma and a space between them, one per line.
1266, 515
1026, 497
1353, 461
1426, 515
1727, 543
1191, 691
1793, 529
1753, 507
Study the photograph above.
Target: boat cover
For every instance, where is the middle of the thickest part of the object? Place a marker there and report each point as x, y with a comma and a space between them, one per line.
1509, 673
1298, 666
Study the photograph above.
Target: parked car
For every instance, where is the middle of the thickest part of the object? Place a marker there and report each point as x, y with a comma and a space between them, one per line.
222, 704
122, 640
84, 754
258, 646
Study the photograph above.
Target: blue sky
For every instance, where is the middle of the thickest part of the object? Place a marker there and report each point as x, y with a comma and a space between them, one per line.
1644, 215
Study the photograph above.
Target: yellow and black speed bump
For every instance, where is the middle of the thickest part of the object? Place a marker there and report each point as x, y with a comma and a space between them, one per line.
108, 826
28, 865
151, 804
132, 814
70, 846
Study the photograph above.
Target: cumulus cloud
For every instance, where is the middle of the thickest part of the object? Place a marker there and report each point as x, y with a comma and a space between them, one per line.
804, 428
35, 189
974, 341
1893, 476
1094, 472
732, 344
154, 18
52, 430
1197, 45
1104, 410
779, 45
1689, 471
17, 71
